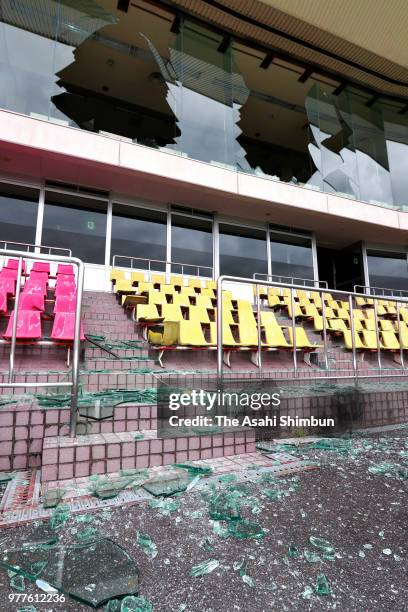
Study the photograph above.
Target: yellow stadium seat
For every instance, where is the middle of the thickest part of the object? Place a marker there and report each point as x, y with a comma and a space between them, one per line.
181, 299
154, 337
204, 301
273, 300
302, 341
248, 334
246, 315
358, 314
137, 277
298, 312
124, 286
268, 317
211, 284
188, 291
274, 336
391, 309
330, 314
157, 297
195, 283
167, 289
370, 339
342, 313
262, 291
286, 292
198, 313
144, 287
390, 340
404, 335
302, 295
117, 274
226, 316
358, 325
336, 325
147, 312
175, 280
404, 314
310, 310
318, 323
171, 312
207, 291
227, 337
348, 340
386, 325
369, 324
158, 279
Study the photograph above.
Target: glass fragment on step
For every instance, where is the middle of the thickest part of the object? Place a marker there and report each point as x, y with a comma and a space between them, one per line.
322, 585
204, 568
168, 482
92, 573
146, 544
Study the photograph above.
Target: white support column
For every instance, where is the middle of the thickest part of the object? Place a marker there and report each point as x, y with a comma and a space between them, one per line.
108, 244
269, 252
314, 258
216, 248
40, 217
365, 266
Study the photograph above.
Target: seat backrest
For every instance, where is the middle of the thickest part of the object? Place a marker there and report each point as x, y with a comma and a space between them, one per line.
337, 325
198, 313
137, 277
248, 334
246, 317
194, 282
188, 291
116, 274
167, 289
123, 284
390, 340
348, 339
274, 335
65, 269
158, 279
64, 303
191, 334
176, 280
181, 299
227, 337
147, 311
302, 341
211, 284
12, 264
268, 317
386, 325
171, 312
157, 297
370, 339
208, 292
204, 301
369, 324
31, 301
40, 266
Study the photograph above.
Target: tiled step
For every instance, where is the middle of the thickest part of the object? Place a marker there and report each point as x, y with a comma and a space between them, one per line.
126, 417
118, 379
94, 352
118, 364
112, 316
64, 458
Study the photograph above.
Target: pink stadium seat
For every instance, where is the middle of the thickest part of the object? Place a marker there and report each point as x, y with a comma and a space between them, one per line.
35, 286
42, 276
28, 325
64, 326
3, 301
41, 266
65, 303
12, 264
67, 290
65, 269
8, 285
31, 301
9, 273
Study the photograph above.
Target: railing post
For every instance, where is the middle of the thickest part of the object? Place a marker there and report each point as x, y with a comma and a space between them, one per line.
258, 311
377, 335
292, 300
400, 335
326, 353
15, 320
353, 339
75, 351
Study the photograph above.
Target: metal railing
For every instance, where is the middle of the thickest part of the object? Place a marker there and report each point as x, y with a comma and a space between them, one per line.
77, 333
282, 279
166, 264
391, 292
347, 295
5, 244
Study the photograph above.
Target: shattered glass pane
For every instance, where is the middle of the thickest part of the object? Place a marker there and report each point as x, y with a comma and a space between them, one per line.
168, 482
206, 567
146, 544
136, 604
93, 573
59, 517
195, 469
245, 529
224, 507
322, 585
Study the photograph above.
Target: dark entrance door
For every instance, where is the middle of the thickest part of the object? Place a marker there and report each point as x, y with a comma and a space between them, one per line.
342, 269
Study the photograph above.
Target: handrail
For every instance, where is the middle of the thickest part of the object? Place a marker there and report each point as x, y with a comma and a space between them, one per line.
292, 278
292, 287
35, 246
392, 293
167, 264
74, 383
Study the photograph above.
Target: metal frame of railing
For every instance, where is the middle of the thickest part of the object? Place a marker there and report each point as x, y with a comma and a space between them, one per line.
77, 335
391, 292
35, 247
271, 277
168, 271
350, 296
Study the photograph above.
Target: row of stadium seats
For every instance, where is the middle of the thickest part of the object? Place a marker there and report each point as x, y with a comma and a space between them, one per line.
141, 281
35, 290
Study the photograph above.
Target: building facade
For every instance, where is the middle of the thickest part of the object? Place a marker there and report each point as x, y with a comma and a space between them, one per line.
235, 138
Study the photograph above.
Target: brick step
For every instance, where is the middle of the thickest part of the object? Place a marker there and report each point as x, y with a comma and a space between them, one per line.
94, 352
110, 325
102, 363
126, 417
120, 379
106, 316
64, 458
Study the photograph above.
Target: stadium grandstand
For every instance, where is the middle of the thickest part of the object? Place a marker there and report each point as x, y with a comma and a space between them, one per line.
201, 190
